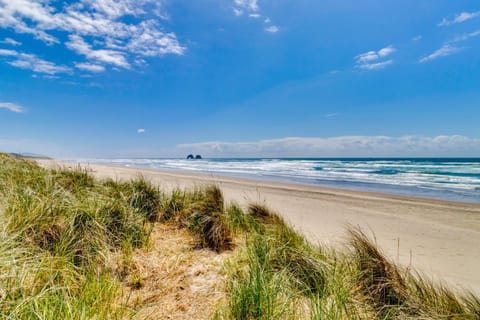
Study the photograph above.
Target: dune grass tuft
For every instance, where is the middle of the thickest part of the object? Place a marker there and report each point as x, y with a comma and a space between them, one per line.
145, 198
208, 220
262, 214
379, 279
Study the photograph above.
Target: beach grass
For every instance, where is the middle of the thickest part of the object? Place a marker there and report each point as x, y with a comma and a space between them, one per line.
76, 247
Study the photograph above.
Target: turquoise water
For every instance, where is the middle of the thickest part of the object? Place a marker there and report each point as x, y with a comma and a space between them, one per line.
447, 179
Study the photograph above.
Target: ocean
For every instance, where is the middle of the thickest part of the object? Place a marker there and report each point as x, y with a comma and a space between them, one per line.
454, 179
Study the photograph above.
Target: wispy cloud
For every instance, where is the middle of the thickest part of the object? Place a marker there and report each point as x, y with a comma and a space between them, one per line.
12, 107
11, 42
114, 57
459, 18
450, 47
141, 130
32, 62
98, 29
344, 146
90, 67
465, 36
249, 5
376, 65
272, 29
237, 12
331, 115
417, 38
444, 51
252, 10
8, 52
373, 60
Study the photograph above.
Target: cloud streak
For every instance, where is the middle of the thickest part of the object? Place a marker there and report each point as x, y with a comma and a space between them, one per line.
11, 42
344, 146
12, 107
459, 18
373, 60
444, 51
32, 62
466, 36
78, 44
90, 67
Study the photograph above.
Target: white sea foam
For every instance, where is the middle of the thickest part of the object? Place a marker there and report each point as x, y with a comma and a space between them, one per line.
458, 177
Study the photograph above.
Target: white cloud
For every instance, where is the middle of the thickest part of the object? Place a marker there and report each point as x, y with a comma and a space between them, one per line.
237, 12
252, 9
375, 55
141, 130
417, 38
371, 60
376, 65
34, 63
12, 107
272, 29
345, 146
11, 42
386, 51
450, 47
251, 5
90, 67
466, 36
445, 50
152, 42
78, 44
17, 14
459, 18
7, 52
96, 29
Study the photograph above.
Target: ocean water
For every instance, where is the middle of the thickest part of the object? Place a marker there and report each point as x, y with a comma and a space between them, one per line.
446, 179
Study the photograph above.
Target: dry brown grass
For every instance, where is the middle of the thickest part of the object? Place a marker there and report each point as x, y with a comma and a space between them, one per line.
174, 280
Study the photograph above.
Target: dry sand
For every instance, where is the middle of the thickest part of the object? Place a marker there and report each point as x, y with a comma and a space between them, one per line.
439, 238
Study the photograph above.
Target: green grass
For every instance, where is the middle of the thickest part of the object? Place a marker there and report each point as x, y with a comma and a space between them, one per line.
279, 275
61, 230
67, 242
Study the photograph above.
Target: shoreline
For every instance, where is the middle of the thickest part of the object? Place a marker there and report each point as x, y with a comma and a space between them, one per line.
439, 238
382, 178
279, 183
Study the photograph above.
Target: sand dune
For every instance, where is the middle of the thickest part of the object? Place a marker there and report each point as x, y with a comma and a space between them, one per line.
439, 238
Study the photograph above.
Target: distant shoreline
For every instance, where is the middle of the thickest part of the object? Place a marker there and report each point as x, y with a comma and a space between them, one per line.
411, 183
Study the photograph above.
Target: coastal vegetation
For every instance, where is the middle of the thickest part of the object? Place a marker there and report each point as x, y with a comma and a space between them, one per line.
76, 247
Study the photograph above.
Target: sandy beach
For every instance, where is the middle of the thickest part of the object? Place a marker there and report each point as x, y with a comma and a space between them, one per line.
440, 239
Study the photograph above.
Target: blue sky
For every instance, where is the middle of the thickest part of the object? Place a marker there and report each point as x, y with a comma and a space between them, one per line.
125, 78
